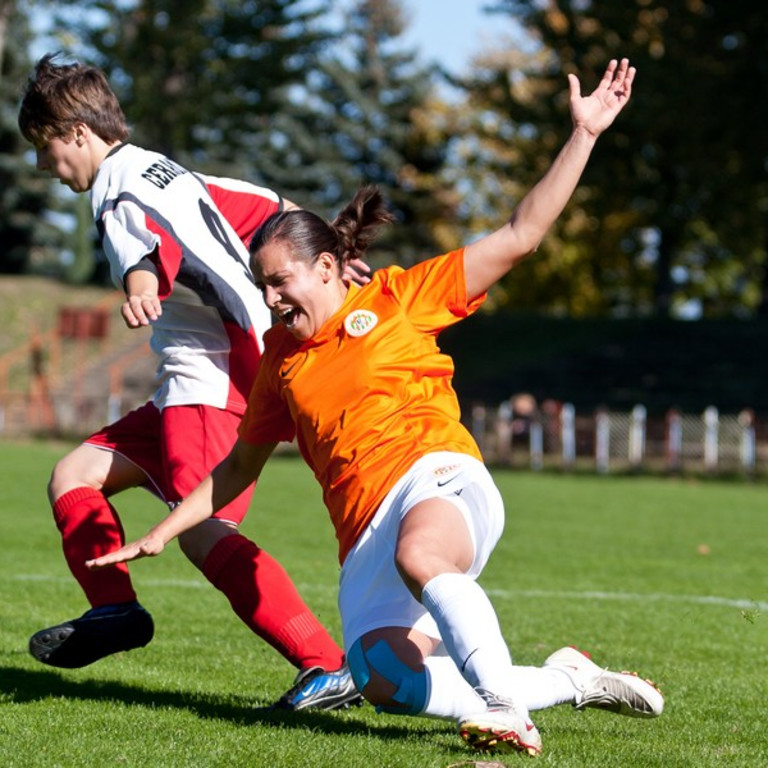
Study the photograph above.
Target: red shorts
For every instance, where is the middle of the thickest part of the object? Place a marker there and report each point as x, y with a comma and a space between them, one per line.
176, 449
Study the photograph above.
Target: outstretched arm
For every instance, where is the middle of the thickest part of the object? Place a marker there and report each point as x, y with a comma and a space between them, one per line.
493, 256
227, 481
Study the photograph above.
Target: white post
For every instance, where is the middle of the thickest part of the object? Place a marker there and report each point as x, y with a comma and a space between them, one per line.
711, 429
536, 436
478, 426
568, 433
504, 433
637, 436
748, 449
674, 440
114, 405
602, 441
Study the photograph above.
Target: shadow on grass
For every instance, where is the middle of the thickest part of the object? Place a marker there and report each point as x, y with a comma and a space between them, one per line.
24, 686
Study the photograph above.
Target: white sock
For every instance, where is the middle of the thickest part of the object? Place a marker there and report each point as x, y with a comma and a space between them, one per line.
472, 636
450, 695
471, 633
542, 687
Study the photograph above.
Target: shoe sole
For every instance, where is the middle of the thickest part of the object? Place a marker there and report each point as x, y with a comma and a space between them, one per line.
494, 739
328, 705
70, 646
43, 644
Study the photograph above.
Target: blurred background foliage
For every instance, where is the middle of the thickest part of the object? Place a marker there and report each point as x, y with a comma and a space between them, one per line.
316, 98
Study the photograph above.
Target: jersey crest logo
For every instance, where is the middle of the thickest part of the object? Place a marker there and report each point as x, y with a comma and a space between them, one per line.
360, 322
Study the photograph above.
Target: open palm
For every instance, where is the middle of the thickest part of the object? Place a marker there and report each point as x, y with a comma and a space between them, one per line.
597, 111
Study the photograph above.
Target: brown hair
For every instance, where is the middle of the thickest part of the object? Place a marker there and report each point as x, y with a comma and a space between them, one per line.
59, 95
346, 237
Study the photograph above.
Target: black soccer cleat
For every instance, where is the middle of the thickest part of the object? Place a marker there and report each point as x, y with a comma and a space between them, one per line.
316, 688
97, 633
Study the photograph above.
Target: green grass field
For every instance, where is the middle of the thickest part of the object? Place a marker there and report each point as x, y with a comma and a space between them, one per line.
617, 566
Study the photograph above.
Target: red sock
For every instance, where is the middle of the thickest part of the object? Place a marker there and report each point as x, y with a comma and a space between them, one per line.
264, 597
90, 527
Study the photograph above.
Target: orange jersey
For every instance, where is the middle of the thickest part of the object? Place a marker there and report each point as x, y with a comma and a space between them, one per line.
371, 392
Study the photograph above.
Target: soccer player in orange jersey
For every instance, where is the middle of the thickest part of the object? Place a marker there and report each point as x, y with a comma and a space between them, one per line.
356, 376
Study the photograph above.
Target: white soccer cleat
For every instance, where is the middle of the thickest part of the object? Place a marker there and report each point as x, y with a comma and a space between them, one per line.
622, 692
500, 728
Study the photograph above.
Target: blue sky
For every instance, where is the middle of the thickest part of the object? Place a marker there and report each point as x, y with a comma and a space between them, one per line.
452, 31
447, 31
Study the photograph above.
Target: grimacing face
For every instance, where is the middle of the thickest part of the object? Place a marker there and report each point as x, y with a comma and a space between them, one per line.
299, 293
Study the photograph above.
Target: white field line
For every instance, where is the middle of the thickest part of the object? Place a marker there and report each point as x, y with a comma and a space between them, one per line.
502, 594
632, 597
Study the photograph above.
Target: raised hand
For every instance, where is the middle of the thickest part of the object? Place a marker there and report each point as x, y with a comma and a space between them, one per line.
594, 113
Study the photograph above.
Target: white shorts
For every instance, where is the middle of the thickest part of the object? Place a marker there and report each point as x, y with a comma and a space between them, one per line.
371, 592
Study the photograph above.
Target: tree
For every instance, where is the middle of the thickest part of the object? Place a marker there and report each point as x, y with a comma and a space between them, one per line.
197, 79
365, 118
682, 170
24, 195
263, 90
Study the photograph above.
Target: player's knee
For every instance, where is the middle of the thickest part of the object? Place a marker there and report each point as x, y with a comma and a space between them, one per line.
64, 477
90, 467
194, 546
197, 542
404, 691
417, 566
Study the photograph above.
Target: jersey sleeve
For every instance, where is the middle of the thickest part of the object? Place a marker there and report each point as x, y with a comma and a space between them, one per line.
127, 238
246, 206
267, 418
433, 292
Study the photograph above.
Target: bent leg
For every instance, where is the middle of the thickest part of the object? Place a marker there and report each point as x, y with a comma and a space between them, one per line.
263, 596
88, 523
89, 526
398, 671
445, 537
195, 440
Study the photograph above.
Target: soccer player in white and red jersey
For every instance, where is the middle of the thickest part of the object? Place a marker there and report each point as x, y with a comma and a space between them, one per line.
176, 242
356, 375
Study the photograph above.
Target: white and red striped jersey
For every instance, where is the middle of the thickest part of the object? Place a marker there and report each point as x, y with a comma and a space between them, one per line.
193, 229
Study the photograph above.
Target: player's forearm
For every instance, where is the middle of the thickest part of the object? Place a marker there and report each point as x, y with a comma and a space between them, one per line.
227, 481
196, 508
540, 208
141, 282
491, 257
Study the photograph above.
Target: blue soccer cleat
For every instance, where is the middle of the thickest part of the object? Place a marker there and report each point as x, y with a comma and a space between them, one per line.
316, 688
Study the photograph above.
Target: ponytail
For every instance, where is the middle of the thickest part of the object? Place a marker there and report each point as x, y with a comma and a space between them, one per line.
359, 221
347, 237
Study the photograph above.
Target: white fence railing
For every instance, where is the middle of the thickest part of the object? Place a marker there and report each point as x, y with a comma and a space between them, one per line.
559, 436
515, 433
